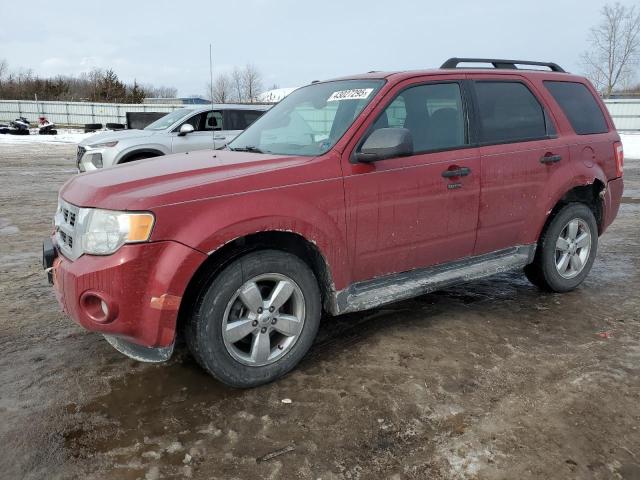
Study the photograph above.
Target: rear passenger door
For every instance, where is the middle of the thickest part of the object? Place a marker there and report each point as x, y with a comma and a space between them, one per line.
520, 153
403, 213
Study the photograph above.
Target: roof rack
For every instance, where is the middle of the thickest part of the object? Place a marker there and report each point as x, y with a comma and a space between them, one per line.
499, 63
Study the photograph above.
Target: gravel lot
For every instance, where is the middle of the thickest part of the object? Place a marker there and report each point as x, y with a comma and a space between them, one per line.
491, 380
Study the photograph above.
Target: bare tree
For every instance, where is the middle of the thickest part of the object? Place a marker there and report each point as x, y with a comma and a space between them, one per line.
615, 48
236, 83
162, 91
222, 90
252, 83
4, 69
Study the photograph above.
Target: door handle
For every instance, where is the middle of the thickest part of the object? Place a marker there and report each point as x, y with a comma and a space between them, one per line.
550, 158
456, 172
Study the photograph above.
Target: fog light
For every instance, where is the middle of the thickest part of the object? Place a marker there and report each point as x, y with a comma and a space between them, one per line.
98, 307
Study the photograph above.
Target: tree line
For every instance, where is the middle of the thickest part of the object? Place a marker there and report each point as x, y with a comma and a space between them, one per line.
97, 85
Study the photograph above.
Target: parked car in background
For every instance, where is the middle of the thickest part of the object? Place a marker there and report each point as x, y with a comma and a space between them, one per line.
183, 130
347, 195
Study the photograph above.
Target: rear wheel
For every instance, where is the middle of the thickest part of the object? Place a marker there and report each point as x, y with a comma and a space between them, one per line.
566, 250
256, 320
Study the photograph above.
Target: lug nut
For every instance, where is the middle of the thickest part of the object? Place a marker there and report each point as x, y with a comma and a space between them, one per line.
254, 323
271, 309
264, 330
273, 321
259, 309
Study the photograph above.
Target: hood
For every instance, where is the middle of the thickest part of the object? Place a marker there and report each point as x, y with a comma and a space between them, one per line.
113, 135
170, 179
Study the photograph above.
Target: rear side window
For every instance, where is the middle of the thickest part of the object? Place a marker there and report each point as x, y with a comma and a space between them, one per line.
241, 119
579, 106
509, 112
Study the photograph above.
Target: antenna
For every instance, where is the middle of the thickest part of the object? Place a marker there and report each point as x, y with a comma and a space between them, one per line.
213, 130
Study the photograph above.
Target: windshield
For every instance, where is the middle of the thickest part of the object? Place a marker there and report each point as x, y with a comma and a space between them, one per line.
169, 119
310, 120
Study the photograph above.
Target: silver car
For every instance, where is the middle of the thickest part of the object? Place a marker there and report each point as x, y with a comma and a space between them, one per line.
182, 130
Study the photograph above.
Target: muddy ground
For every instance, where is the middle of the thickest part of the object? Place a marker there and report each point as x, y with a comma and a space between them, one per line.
491, 380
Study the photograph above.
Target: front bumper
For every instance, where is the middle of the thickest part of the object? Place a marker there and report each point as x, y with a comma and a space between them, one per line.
132, 296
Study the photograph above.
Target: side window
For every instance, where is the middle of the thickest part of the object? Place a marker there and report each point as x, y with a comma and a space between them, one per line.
241, 119
434, 114
396, 113
211, 121
509, 112
193, 121
579, 106
251, 116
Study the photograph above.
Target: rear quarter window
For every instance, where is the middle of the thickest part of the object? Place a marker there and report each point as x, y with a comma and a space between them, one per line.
579, 106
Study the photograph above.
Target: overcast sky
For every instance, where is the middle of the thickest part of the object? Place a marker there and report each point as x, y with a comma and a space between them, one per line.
291, 42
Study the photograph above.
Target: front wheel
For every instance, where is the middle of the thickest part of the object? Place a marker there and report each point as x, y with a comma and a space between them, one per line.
255, 321
566, 250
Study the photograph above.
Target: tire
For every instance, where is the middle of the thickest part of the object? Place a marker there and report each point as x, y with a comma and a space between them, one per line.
557, 252
92, 127
220, 304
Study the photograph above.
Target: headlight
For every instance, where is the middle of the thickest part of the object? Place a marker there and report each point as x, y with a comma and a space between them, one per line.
94, 158
104, 144
105, 231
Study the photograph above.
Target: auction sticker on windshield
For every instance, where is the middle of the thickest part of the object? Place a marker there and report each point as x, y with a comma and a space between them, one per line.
352, 94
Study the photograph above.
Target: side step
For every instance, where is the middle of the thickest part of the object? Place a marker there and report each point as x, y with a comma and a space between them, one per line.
400, 286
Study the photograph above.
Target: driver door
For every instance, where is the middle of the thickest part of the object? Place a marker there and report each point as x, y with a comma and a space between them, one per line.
205, 125
402, 214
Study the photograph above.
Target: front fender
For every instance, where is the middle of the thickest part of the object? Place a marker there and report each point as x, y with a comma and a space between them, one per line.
315, 211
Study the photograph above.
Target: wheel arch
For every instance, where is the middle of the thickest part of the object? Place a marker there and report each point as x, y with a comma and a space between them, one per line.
129, 156
589, 194
285, 241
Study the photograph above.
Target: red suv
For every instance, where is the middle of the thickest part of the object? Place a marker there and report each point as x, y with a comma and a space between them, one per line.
346, 195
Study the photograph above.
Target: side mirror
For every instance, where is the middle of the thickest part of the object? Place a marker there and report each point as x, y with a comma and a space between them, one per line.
385, 143
184, 129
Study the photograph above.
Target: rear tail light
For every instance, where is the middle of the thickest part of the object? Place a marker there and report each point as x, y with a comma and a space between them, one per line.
619, 156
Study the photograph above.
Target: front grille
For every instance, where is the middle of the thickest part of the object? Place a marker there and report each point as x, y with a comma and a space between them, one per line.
67, 225
67, 240
69, 217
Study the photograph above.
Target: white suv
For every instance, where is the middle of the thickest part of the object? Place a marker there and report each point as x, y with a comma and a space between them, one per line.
182, 130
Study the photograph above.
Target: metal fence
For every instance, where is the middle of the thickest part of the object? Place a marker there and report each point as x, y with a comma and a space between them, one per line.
625, 112
76, 113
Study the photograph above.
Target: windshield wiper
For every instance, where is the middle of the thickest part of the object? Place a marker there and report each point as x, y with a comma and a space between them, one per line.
250, 148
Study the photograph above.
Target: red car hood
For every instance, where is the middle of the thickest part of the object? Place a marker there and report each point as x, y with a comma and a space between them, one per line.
177, 178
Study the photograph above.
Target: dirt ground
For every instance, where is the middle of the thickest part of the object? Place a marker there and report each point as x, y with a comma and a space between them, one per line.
490, 380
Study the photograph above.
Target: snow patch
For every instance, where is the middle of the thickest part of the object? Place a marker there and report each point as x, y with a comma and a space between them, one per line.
631, 145
68, 136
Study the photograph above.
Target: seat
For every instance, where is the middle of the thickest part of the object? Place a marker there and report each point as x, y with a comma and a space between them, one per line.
418, 124
212, 122
444, 129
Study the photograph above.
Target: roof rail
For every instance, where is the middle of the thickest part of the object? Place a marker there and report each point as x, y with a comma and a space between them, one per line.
498, 63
